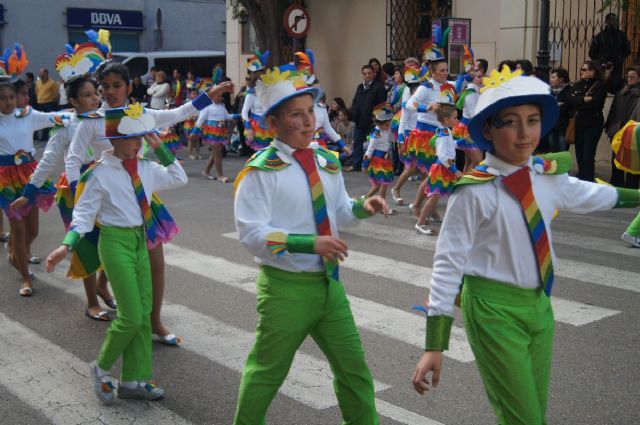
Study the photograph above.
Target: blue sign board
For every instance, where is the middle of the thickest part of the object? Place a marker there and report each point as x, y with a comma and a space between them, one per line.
129, 20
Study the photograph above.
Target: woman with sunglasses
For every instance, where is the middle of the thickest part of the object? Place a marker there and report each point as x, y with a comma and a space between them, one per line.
586, 101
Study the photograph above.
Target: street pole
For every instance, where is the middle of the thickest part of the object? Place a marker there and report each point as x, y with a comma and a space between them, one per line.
543, 56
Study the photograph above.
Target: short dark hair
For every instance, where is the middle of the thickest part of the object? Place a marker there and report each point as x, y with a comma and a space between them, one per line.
526, 66
610, 15
635, 69
73, 87
510, 64
445, 111
388, 68
30, 75
484, 64
365, 67
18, 84
118, 69
434, 64
562, 74
7, 85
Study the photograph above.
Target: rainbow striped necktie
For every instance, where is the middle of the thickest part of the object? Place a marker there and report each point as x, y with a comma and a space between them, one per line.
307, 161
131, 165
519, 184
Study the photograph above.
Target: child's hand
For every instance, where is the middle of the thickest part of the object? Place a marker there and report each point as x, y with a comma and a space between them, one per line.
56, 256
226, 87
376, 204
346, 151
431, 361
153, 140
20, 202
459, 174
332, 248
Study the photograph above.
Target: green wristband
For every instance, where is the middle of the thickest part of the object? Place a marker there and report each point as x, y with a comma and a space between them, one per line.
164, 155
303, 244
627, 198
358, 209
71, 239
438, 332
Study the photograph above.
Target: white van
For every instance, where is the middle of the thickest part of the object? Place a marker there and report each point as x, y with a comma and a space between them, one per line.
200, 62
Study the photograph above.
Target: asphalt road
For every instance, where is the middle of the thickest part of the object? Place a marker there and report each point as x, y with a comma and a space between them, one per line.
46, 342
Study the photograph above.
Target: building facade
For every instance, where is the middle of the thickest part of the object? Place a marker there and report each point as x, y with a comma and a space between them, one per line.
44, 26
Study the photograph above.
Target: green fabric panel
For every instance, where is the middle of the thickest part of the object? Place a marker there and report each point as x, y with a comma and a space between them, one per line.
304, 244
164, 155
438, 332
563, 159
358, 209
71, 239
627, 198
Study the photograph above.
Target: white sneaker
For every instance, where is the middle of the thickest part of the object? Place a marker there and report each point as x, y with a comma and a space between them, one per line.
632, 240
424, 230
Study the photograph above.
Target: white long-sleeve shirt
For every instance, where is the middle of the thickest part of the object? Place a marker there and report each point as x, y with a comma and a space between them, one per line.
470, 101
250, 106
424, 95
109, 196
214, 112
322, 121
408, 117
85, 146
378, 141
159, 93
445, 147
17, 133
280, 201
54, 152
484, 232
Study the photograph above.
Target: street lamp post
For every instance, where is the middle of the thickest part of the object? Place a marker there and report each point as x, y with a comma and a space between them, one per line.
543, 56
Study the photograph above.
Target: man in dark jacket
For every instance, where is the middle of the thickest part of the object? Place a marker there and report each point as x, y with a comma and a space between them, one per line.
368, 94
610, 48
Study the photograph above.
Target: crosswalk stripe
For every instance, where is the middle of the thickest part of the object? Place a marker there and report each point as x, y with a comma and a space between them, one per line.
590, 273
379, 318
309, 380
615, 246
566, 311
56, 383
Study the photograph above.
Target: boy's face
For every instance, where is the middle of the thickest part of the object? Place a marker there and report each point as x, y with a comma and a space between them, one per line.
450, 121
127, 148
22, 97
7, 100
554, 81
519, 137
295, 122
193, 94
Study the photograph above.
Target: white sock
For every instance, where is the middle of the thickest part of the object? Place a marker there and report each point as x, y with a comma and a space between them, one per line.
102, 372
129, 384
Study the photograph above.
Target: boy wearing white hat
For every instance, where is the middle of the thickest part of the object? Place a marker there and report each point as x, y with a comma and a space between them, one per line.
290, 200
502, 211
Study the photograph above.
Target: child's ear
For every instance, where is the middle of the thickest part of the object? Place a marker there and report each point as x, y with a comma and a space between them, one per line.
486, 132
272, 122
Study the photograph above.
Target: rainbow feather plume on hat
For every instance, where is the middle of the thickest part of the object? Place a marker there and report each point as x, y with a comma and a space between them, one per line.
304, 64
468, 62
101, 40
79, 60
13, 62
258, 61
448, 94
383, 111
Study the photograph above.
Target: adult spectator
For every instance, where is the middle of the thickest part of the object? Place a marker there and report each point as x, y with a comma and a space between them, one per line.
559, 81
625, 107
31, 87
47, 93
610, 48
337, 104
63, 100
586, 100
159, 92
138, 90
149, 78
525, 65
388, 69
178, 88
368, 94
482, 65
345, 129
378, 73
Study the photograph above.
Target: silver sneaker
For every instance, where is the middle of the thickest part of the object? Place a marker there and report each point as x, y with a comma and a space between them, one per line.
147, 392
103, 390
632, 240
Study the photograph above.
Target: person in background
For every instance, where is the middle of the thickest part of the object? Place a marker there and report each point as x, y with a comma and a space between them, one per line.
526, 66
378, 73
586, 100
509, 63
63, 100
138, 90
559, 82
345, 128
178, 89
482, 65
159, 91
388, 69
610, 48
337, 104
625, 107
31, 87
47, 93
191, 80
150, 77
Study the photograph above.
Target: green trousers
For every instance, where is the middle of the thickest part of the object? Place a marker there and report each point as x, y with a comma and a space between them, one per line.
123, 253
290, 307
510, 331
634, 226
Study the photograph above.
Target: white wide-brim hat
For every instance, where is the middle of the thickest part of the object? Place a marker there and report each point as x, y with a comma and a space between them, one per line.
280, 85
506, 89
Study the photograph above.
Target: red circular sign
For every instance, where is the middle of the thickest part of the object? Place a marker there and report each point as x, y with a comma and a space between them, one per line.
297, 21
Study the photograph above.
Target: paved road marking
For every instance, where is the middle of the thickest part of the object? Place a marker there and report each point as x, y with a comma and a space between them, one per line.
56, 383
566, 311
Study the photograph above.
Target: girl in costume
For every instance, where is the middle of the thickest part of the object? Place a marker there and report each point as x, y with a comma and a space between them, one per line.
467, 103
83, 94
114, 192
86, 145
189, 129
17, 164
169, 137
443, 173
212, 125
290, 201
325, 133
257, 135
377, 161
496, 238
408, 121
626, 150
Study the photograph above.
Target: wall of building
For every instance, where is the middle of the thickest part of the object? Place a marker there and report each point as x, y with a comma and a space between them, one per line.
40, 25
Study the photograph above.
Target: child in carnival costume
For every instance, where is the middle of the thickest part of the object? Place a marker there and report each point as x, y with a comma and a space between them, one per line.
290, 200
377, 163
626, 147
116, 192
503, 211
257, 134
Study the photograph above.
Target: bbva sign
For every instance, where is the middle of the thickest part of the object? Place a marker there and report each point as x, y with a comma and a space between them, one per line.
102, 18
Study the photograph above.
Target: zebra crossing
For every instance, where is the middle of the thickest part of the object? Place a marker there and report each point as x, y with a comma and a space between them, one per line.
61, 396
